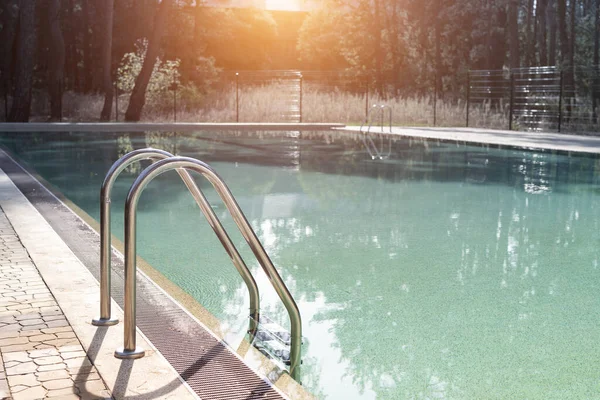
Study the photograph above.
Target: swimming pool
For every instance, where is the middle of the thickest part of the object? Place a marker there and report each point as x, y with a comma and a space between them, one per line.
444, 272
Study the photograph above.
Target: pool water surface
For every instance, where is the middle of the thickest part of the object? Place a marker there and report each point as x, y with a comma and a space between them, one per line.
446, 271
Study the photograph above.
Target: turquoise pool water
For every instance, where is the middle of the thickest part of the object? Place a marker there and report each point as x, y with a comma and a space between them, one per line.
445, 272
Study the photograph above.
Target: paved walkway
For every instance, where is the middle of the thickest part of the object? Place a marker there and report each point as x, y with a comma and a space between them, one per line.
41, 356
536, 140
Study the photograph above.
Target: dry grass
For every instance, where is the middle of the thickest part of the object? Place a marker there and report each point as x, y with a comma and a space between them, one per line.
276, 103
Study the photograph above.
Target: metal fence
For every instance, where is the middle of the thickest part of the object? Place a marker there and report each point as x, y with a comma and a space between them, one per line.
281, 95
538, 98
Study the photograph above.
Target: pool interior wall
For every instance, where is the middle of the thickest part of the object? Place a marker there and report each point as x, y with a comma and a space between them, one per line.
446, 271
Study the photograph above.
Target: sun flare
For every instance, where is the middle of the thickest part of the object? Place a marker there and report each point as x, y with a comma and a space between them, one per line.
283, 5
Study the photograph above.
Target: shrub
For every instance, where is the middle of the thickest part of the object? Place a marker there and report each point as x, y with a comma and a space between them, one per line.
164, 75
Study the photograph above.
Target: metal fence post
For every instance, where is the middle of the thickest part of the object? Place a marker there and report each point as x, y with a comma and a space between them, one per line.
367, 99
560, 97
512, 100
435, 94
116, 101
468, 95
300, 106
174, 98
5, 90
237, 97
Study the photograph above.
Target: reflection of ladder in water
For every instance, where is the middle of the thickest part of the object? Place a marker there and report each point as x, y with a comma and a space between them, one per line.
264, 333
477, 163
377, 151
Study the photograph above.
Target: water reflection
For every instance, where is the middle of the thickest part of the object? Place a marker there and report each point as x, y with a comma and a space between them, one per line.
444, 272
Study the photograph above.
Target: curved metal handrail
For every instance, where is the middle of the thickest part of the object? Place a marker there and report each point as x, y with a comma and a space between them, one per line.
129, 349
105, 318
374, 152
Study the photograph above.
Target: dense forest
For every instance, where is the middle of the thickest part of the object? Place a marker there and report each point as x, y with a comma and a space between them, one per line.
49, 47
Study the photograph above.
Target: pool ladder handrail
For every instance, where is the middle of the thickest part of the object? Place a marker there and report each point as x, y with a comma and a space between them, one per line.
105, 318
129, 349
181, 164
375, 152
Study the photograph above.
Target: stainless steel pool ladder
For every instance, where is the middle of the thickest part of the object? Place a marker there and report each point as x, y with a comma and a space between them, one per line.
377, 114
181, 164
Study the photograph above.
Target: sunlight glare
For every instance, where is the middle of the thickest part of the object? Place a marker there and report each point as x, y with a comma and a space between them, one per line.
283, 5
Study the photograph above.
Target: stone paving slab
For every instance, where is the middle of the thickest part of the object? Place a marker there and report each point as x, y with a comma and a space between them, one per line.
76, 293
41, 356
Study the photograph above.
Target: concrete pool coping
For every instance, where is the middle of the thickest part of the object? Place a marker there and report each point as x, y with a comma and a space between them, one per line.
163, 127
514, 139
82, 319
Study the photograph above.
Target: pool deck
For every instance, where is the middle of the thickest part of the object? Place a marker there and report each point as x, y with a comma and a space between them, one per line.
161, 127
49, 348
519, 139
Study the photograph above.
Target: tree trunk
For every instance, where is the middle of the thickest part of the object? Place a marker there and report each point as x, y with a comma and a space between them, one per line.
438, 52
551, 14
571, 71
377, 28
10, 13
534, 36
87, 47
107, 60
572, 44
488, 45
70, 33
542, 32
25, 51
513, 32
565, 56
138, 95
596, 85
393, 27
562, 32
529, 48
56, 61
497, 48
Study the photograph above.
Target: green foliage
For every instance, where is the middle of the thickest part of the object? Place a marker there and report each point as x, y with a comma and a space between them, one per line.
164, 75
401, 44
192, 97
320, 40
239, 39
204, 73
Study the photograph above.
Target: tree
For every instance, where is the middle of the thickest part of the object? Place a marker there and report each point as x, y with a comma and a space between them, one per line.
542, 37
513, 31
86, 46
9, 11
552, 34
320, 40
239, 39
25, 50
596, 66
106, 59
562, 32
138, 95
56, 60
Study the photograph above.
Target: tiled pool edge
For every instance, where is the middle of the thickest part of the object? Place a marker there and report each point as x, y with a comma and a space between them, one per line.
78, 298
